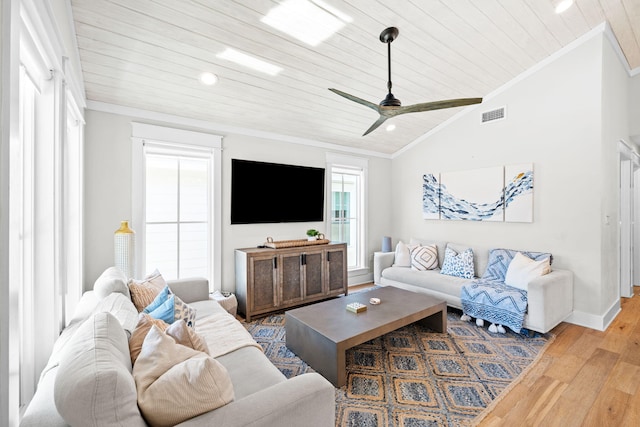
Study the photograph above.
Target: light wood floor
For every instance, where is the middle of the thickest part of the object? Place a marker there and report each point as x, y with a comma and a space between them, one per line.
585, 378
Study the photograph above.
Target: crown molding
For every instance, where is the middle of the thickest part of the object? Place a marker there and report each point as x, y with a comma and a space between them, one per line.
223, 130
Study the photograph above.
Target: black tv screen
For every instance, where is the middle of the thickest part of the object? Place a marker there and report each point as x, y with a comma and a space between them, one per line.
272, 192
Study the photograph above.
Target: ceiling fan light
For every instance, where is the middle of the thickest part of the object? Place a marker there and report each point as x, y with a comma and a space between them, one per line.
391, 127
563, 5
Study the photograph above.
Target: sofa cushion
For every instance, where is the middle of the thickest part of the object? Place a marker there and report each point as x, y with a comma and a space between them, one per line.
431, 280
424, 257
171, 309
523, 269
499, 260
403, 255
184, 335
176, 383
144, 291
145, 322
111, 280
93, 385
122, 309
458, 264
157, 301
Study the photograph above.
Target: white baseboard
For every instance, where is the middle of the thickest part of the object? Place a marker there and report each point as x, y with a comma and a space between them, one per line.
593, 321
360, 279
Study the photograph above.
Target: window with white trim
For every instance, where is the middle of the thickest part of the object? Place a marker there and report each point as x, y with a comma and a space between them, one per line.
178, 223
347, 214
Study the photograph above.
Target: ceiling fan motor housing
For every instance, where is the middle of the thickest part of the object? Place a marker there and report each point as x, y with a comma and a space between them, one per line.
390, 101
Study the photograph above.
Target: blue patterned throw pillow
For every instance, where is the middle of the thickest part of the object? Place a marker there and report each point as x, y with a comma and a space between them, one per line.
458, 264
499, 260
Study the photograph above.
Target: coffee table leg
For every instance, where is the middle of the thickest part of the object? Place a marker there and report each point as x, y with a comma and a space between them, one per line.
437, 321
322, 354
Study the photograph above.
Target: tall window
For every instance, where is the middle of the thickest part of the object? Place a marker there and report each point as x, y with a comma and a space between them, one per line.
178, 225
347, 213
177, 220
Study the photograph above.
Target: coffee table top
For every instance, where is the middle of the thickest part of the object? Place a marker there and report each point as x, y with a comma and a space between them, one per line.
397, 308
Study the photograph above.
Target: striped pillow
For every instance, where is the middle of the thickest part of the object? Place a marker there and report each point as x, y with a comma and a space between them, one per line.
175, 383
143, 292
424, 258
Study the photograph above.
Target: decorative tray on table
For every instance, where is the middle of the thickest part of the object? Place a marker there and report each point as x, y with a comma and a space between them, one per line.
270, 243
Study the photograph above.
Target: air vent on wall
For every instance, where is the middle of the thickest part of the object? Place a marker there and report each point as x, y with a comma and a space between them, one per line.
493, 115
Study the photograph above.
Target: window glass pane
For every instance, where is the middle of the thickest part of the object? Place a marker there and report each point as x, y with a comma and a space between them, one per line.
345, 221
161, 189
194, 251
162, 249
194, 190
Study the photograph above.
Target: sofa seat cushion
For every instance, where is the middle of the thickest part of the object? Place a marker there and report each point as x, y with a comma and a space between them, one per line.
430, 279
250, 371
94, 385
222, 332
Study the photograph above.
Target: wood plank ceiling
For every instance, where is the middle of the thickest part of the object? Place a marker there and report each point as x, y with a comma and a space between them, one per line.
148, 54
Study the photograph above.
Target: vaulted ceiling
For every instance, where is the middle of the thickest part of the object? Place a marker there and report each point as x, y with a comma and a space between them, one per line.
148, 54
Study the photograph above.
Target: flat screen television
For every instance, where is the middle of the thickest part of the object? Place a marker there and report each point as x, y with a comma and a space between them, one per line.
272, 192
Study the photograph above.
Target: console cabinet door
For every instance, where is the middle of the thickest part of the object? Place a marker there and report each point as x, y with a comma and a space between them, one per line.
337, 270
314, 274
263, 280
291, 278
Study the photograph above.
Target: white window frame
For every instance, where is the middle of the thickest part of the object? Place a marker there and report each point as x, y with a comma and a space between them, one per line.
177, 139
361, 165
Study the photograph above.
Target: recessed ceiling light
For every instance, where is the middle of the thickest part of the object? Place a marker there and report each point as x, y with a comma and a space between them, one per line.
310, 21
249, 61
563, 5
208, 78
391, 127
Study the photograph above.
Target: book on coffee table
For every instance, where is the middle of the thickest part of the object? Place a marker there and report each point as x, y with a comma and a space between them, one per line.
356, 307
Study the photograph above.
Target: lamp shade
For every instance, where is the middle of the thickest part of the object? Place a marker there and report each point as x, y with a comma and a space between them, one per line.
124, 243
386, 244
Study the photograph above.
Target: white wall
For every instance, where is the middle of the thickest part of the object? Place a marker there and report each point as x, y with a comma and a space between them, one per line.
615, 126
634, 107
553, 121
108, 191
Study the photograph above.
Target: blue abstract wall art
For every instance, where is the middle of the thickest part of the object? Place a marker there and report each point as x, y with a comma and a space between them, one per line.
490, 194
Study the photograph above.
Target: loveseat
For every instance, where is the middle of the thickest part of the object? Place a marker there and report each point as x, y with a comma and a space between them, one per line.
89, 379
550, 296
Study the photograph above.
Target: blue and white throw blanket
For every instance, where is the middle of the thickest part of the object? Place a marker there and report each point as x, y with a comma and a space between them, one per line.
495, 302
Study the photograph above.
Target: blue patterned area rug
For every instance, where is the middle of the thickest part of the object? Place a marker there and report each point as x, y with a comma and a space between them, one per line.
414, 377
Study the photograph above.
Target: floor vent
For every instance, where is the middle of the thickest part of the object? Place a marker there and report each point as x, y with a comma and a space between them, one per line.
493, 115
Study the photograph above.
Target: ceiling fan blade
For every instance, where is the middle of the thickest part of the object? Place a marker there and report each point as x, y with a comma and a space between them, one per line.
436, 105
374, 126
356, 99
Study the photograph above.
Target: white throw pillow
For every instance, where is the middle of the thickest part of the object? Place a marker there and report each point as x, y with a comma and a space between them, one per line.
424, 258
175, 382
523, 269
403, 255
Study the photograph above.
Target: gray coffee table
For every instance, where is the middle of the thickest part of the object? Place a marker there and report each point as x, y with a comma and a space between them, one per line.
321, 333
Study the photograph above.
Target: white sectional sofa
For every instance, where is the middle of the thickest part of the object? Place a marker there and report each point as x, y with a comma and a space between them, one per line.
550, 297
89, 380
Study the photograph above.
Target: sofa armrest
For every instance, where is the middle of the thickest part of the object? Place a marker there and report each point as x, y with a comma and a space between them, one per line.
305, 400
550, 300
190, 289
381, 260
